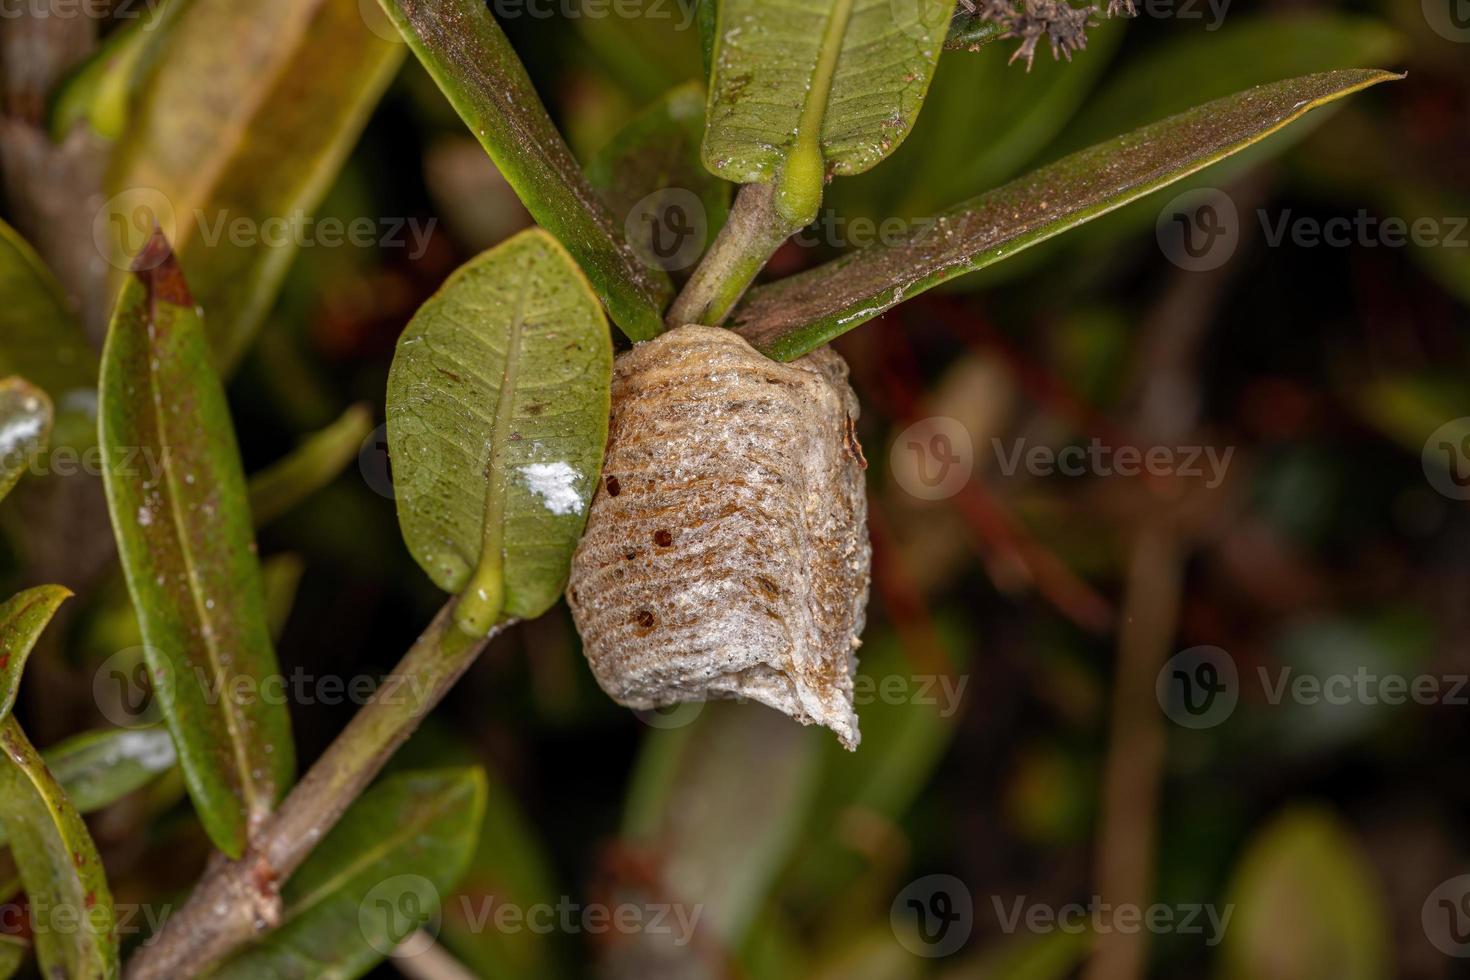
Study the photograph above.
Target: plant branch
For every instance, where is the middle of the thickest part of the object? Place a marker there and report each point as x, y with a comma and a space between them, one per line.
753, 232
240, 900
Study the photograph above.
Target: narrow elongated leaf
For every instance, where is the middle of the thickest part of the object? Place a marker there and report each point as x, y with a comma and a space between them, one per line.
71, 907
468, 55
188, 553
314, 464
1247, 51
379, 875
498, 405
39, 337
96, 769
796, 315
658, 151
25, 428
803, 89
99, 768
22, 619
99, 92
246, 118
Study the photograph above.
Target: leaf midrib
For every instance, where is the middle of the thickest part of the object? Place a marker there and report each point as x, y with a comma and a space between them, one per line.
233, 724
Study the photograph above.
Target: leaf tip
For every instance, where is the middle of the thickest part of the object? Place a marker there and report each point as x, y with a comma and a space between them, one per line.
157, 268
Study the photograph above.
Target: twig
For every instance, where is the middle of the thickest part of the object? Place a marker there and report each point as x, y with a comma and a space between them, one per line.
430, 962
240, 900
753, 232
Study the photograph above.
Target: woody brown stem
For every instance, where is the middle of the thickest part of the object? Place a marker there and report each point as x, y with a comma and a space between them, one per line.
237, 901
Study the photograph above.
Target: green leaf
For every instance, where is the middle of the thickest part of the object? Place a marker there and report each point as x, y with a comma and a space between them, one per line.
1247, 51
185, 540
96, 769
970, 31
40, 339
378, 876
510, 867
791, 317
22, 619
314, 464
659, 151
962, 144
25, 428
498, 404
71, 906
281, 575
246, 117
647, 45
99, 768
468, 55
100, 90
13, 953
1306, 869
803, 89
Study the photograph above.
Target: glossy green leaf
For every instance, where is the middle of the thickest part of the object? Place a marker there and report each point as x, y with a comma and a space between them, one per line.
380, 874
1246, 51
498, 404
40, 339
1305, 868
71, 906
25, 429
311, 466
799, 314
96, 769
962, 145
246, 118
99, 768
468, 55
187, 549
659, 151
22, 618
803, 89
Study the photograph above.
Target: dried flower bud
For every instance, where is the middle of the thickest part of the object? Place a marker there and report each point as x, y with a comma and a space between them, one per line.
726, 552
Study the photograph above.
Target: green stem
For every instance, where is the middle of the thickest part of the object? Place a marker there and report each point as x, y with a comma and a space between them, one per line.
750, 237
239, 900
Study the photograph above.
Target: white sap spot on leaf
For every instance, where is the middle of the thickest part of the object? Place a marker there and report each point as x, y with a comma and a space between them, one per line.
556, 485
145, 517
18, 432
